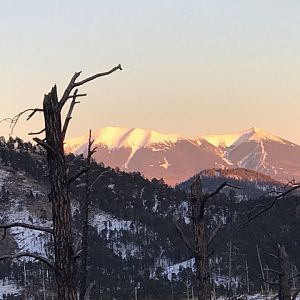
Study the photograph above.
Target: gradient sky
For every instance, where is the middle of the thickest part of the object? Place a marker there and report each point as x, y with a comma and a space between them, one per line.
190, 67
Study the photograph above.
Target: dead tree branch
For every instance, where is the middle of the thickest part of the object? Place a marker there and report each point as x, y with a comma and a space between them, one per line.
73, 84
89, 290
273, 256
69, 115
14, 120
91, 151
80, 173
24, 225
295, 294
294, 276
97, 178
36, 133
214, 234
32, 255
185, 239
118, 67
270, 282
77, 96
34, 111
77, 254
44, 144
219, 189
274, 271
264, 208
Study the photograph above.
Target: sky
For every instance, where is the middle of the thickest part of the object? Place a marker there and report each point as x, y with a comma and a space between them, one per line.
189, 67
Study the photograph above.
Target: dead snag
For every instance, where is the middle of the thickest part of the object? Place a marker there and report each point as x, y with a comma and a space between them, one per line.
55, 131
202, 238
84, 209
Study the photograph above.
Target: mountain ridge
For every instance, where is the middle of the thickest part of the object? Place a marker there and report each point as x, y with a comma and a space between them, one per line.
175, 158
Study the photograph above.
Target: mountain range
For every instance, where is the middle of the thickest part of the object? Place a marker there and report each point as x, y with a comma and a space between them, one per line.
176, 158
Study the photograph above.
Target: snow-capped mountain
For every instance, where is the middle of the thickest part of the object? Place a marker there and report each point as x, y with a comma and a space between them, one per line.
175, 158
153, 154
258, 150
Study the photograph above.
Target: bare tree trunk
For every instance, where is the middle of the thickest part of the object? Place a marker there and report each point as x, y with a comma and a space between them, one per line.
200, 236
261, 269
247, 275
84, 245
202, 241
229, 287
284, 278
59, 196
84, 207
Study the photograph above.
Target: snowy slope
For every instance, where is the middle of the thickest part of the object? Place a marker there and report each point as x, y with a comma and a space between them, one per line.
154, 154
235, 139
117, 137
175, 158
27, 240
9, 287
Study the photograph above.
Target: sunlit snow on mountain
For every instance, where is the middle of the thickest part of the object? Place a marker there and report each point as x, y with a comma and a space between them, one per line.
175, 158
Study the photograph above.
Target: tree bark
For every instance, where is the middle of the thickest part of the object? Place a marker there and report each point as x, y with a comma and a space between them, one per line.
284, 278
84, 244
198, 200
84, 240
59, 196
84, 208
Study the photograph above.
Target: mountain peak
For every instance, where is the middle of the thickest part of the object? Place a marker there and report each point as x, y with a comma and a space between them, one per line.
118, 137
135, 138
234, 139
258, 134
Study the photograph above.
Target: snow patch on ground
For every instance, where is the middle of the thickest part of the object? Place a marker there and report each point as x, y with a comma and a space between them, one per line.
174, 269
27, 240
104, 221
3, 175
8, 287
165, 164
156, 203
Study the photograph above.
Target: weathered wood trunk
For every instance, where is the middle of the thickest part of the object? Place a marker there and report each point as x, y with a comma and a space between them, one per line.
84, 241
59, 197
84, 208
284, 278
201, 244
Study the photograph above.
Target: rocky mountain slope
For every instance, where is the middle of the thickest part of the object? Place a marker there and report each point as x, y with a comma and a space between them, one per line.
175, 158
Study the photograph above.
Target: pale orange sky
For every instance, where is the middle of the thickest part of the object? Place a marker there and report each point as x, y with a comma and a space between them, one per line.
190, 67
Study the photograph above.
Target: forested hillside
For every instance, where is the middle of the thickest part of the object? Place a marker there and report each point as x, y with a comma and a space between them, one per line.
133, 242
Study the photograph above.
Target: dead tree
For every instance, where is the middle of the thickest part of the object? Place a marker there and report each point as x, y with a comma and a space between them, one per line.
284, 275
55, 132
202, 238
265, 287
90, 181
84, 210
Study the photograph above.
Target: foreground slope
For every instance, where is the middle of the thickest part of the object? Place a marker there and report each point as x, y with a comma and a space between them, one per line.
132, 236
